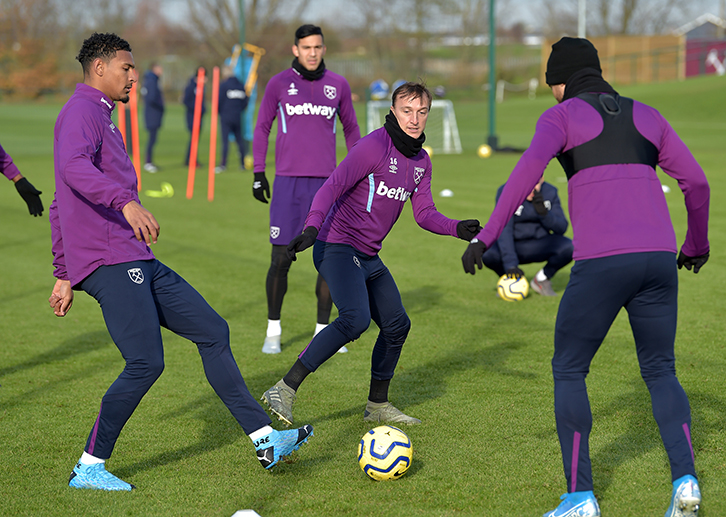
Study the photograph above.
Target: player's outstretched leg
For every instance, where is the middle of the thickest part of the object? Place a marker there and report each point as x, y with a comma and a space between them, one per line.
387, 412
576, 504
686, 498
96, 477
278, 444
280, 399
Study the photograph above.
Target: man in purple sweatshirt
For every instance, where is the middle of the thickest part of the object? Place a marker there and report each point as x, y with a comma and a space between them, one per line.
305, 99
27, 191
625, 256
101, 236
351, 214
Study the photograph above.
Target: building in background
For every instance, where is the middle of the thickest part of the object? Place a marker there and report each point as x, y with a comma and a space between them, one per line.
705, 45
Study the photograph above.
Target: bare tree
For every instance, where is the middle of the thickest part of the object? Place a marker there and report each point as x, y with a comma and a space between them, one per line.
215, 23
606, 17
377, 23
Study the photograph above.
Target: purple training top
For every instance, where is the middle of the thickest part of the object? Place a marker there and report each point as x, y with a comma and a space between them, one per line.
305, 111
364, 196
94, 180
7, 167
614, 209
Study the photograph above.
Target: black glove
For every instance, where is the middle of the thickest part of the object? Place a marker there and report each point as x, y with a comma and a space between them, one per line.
260, 187
695, 262
515, 272
31, 195
467, 230
301, 242
539, 203
472, 256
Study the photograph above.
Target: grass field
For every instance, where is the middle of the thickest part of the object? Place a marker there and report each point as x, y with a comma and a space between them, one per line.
475, 369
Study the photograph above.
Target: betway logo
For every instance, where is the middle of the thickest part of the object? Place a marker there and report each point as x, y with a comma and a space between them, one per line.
392, 193
308, 108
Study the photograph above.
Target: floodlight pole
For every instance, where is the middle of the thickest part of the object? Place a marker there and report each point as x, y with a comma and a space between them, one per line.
582, 19
492, 140
242, 40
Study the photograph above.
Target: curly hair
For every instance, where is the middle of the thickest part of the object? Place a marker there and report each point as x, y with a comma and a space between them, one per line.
102, 46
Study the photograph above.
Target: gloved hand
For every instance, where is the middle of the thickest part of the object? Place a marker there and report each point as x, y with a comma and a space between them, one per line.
260, 187
515, 272
472, 256
467, 230
695, 262
302, 242
31, 196
539, 203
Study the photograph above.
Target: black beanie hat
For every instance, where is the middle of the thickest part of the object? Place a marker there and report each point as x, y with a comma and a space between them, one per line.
570, 55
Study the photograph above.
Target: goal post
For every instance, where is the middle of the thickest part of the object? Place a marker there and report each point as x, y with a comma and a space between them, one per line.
442, 133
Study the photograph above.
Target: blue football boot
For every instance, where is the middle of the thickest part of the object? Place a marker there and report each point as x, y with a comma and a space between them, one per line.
686, 498
278, 444
576, 504
96, 477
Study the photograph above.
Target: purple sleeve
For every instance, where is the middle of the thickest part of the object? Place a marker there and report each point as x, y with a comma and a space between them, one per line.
265, 117
425, 212
549, 138
677, 161
348, 117
59, 256
354, 167
78, 141
8, 168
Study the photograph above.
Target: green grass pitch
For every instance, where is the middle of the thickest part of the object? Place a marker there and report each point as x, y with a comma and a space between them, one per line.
475, 369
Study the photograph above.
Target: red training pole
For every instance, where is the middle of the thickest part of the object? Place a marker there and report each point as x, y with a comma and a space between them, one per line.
195, 133
213, 132
136, 152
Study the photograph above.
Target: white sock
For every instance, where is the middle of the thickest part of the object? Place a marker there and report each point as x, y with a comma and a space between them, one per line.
273, 328
263, 431
319, 327
541, 277
87, 459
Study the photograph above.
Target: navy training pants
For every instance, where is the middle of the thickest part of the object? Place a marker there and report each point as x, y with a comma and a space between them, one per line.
646, 284
362, 289
233, 128
137, 298
555, 250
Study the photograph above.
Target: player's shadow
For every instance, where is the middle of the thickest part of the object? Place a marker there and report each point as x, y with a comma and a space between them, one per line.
421, 299
642, 435
74, 346
429, 381
299, 340
219, 431
421, 384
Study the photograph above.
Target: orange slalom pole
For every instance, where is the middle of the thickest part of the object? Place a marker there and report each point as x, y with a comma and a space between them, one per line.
213, 132
195, 133
122, 120
134, 107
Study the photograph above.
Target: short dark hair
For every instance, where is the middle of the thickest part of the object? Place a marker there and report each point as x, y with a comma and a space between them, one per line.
102, 46
411, 89
308, 30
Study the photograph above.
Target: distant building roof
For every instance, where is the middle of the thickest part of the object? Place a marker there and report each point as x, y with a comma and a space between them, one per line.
705, 26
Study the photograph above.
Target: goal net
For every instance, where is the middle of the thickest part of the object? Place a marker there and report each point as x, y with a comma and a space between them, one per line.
442, 133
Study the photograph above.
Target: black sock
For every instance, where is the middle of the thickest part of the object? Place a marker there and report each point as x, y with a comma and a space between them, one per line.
296, 375
325, 301
379, 391
276, 283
